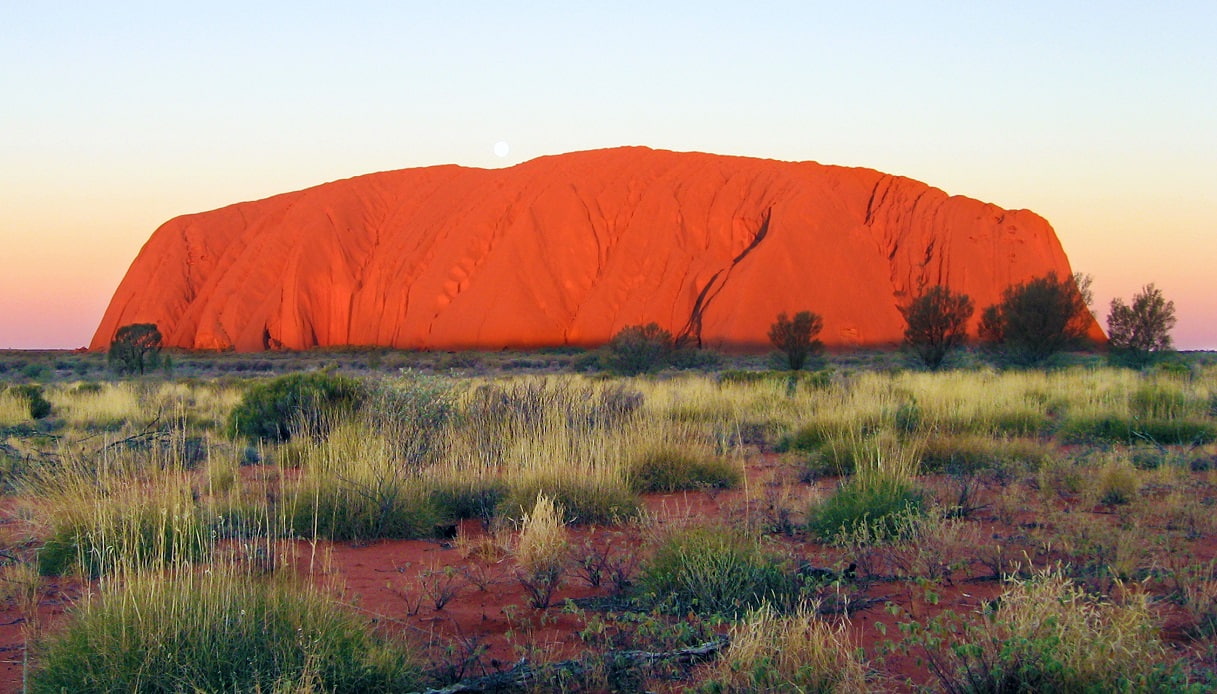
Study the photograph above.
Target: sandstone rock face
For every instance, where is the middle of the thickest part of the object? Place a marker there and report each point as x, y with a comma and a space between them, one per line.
569, 249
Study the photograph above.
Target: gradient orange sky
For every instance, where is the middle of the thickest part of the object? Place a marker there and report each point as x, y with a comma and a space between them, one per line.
1100, 117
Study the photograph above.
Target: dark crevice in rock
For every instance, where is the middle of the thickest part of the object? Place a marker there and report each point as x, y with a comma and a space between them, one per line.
691, 333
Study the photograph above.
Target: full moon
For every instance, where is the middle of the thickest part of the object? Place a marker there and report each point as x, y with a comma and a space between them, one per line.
501, 149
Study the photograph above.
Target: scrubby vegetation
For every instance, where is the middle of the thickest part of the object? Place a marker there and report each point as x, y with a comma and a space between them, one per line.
860, 527
219, 631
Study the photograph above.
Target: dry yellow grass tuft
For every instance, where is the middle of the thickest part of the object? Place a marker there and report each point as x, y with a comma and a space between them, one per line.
799, 652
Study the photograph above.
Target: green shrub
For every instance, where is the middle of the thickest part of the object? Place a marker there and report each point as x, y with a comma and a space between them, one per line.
637, 349
692, 358
880, 506
411, 414
670, 469
34, 399
273, 410
88, 388
218, 631
717, 570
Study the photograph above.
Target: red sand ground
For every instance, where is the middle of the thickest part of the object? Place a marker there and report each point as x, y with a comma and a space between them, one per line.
386, 581
569, 249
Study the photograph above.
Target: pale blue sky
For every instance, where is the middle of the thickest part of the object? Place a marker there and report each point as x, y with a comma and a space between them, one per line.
1100, 116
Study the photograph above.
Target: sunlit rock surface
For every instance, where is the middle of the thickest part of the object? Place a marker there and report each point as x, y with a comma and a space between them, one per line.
568, 249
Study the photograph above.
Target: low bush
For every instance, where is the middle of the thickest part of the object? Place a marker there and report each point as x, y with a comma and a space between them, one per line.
411, 414
717, 570
276, 409
881, 506
692, 358
670, 469
528, 406
1048, 635
218, 631
637, 349
35, 401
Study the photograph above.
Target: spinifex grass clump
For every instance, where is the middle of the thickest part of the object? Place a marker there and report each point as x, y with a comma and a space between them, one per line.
564, 437
967, 453
799, 652
878, 498
101, 406
1048, 635
588, 498
354, 486
541, 551
96, 528
471, 497
670, 468
881, 507
217, 631
716, 570
1130, 430
13, 409
128, 501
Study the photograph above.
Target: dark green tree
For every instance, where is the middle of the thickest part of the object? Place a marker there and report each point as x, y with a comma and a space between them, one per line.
796, 338
937, 322
1138, 332
638, 349
135, 348
1039, 318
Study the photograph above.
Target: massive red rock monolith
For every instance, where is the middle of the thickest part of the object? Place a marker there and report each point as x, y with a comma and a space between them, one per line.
569, 249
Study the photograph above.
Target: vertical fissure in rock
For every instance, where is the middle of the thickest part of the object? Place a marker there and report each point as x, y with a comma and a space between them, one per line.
691, 333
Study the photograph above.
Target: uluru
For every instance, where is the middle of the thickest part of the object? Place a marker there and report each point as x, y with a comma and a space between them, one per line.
569, 249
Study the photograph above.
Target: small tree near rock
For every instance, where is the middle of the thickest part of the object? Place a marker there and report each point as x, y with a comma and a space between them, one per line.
1138, 332
1039, 318
638, 349
135, 348
796, 338
937, 322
